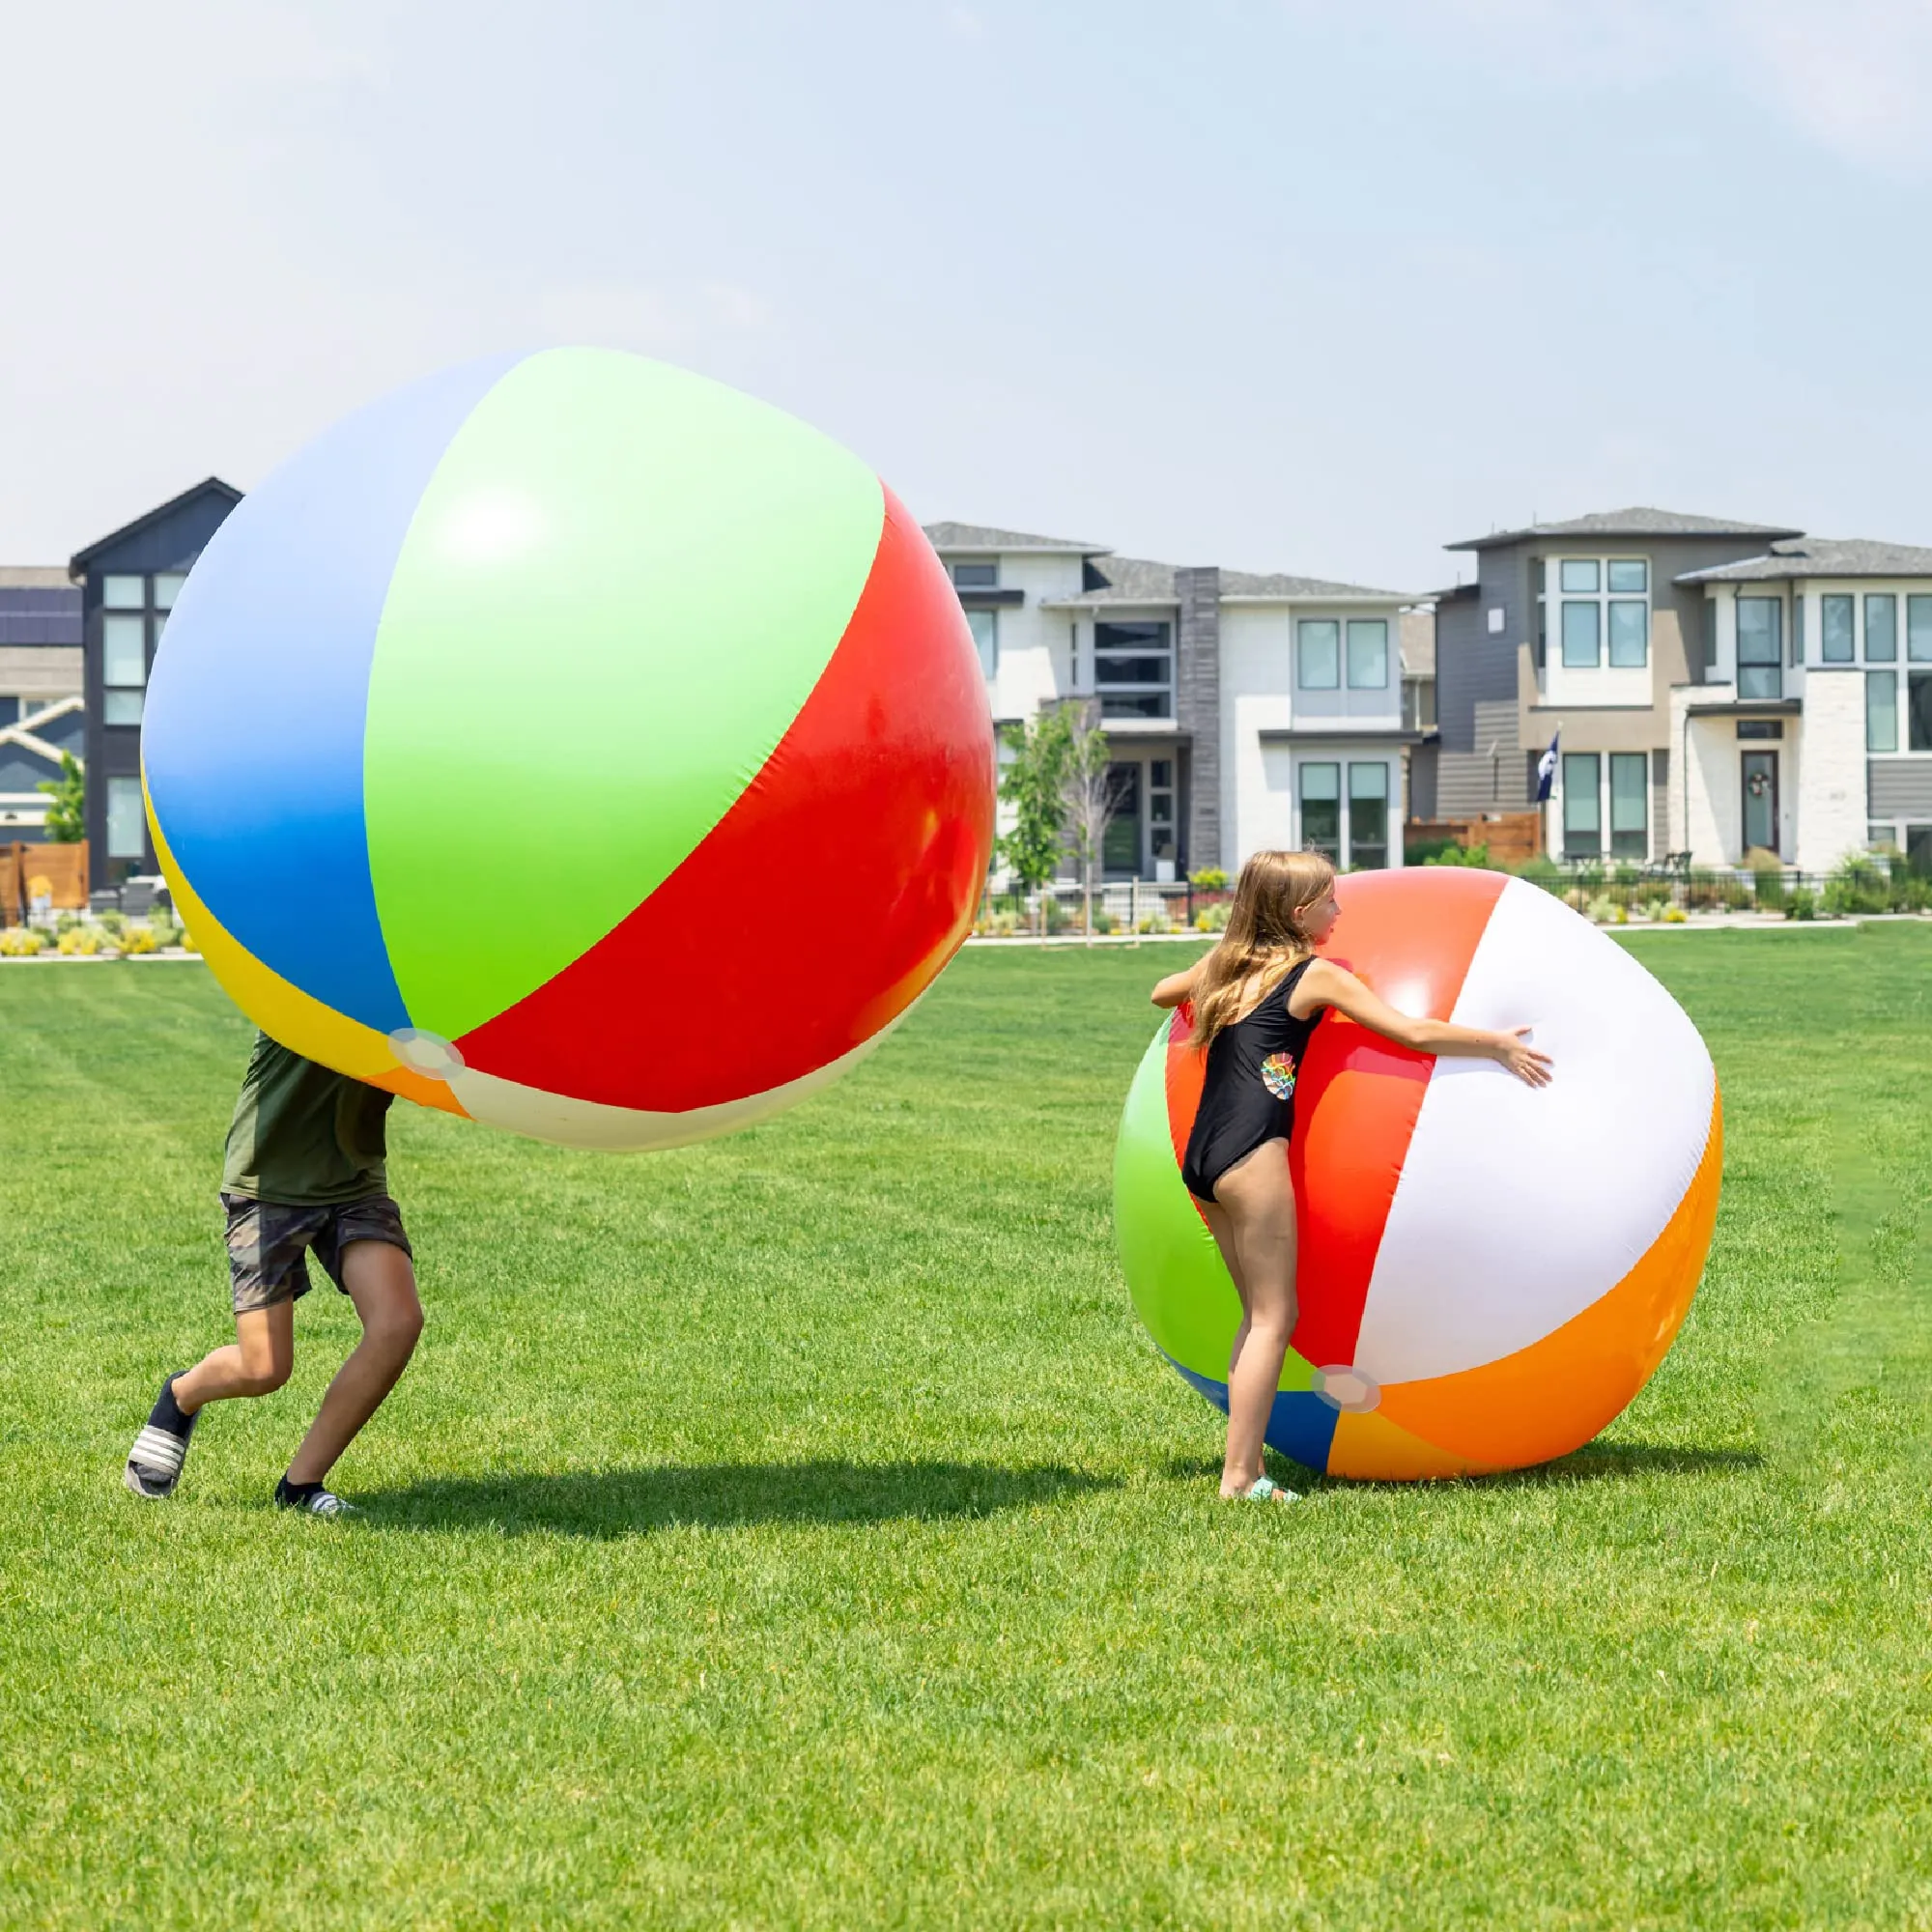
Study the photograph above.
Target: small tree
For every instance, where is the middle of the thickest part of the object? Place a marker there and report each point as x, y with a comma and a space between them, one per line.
67, 816
1034, 784
1092, 801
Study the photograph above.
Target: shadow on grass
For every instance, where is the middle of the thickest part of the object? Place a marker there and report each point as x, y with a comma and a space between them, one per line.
722, 1495
1594, 1463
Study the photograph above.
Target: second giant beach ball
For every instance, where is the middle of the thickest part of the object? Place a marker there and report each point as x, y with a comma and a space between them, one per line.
573, 743
1488, 1273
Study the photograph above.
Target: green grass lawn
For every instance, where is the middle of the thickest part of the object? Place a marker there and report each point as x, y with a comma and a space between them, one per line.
799, 1531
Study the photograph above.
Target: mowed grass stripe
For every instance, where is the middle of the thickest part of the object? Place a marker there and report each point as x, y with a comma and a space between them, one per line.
799, 1531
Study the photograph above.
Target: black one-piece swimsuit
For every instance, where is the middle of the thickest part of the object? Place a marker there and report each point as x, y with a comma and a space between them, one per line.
1248, 1095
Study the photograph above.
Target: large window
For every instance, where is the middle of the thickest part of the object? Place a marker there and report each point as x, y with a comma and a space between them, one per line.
1161, 834
1760, 647
1322, 810
135, 611
982, 576
1837, 645
985, 628
1919, 703
1605, 598
1133, 669
1919, 629
1369, 814
1582, 808
1881, 628
1796, 629
1630, 805
1368, 654
1318, 654
126, 831
1881, 711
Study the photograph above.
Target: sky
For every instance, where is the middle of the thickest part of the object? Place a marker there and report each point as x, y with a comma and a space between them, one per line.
1281, 286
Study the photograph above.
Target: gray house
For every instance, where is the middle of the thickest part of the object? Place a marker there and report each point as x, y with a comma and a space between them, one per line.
42, 714
1588, 624
128, 584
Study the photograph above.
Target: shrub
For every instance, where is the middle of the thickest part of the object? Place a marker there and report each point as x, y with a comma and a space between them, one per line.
1208, 879
1602, 910
1004, 924
1858, 884
1768, 885
1155, 921
1801, 904
1589, 879
1673, 915
1058, 916
19, 942
1626, 874
1734, 895
1211, 919
115, 923
81, 940
1910, 892
139, 939
1654, 902
1429, 851
67, 922
1702, 891
1541, 872
1103, 919
1461, 855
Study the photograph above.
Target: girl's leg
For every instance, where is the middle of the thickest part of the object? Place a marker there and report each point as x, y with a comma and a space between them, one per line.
382, 1286
257, 1362
1223, 1231
1257, 1195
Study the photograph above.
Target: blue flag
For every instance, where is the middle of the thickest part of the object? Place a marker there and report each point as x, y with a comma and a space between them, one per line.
1545, 769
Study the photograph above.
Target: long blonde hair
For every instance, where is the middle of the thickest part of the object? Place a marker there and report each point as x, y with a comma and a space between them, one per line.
1264, 936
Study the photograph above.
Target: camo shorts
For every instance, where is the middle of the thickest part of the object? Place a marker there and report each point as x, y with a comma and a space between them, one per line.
267, 1242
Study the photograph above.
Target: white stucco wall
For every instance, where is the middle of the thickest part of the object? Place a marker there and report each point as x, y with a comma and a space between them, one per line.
1036, 657
1830, 785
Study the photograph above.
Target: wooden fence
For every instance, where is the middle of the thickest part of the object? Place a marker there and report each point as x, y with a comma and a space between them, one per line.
1512, 837
56, 874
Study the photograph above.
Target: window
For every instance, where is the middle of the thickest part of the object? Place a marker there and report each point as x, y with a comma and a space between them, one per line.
1630, 805
1918, 705
167, 587
1539, 579
1836, 620
1418, 704
1710, 633
1161, 809
1881, 711
1919, 629
1629, 574
1797, 628
1133, 669
1630, 631
1369, 814
973, 576
985, 628
1368, 654
1582, 810
1318, 654
1760, 647
124, 593
1581, 646
126, 834
1120, 843
1322, 810
1881, 630
123, 666
1760, 728
1578, 574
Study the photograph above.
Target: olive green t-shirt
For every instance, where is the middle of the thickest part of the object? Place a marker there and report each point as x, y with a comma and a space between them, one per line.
304, 1135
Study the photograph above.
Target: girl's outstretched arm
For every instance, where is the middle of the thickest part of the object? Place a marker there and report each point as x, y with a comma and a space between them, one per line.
1327, 985
1176, 987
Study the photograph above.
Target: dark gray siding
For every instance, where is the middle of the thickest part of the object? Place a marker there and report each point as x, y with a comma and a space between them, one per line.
1480, 768
1198, 706
1900, 788
1422, 771
20, 770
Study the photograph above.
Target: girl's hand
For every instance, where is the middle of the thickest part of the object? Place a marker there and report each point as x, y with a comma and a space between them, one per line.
1512, 1050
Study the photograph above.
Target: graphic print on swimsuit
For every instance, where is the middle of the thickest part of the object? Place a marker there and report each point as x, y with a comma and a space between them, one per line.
1278, 1075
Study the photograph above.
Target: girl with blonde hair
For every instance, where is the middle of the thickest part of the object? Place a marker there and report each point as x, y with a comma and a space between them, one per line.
1257, 1000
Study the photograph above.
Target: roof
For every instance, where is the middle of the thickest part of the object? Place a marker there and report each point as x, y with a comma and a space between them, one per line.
983, 536
35, 576
1633, 522
1820, 556
1137, 579
208, 485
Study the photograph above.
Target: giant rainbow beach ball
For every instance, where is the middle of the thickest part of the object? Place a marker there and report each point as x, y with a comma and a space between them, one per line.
1487, 1272
573, 743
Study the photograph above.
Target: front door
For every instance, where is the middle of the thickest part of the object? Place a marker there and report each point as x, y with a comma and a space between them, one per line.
1121, 844
1760, 801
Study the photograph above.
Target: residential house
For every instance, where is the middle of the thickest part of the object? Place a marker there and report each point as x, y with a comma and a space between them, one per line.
41, 711
1714, 683
128, 584
1241, 711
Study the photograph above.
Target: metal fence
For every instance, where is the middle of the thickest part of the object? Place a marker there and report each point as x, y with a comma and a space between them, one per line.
1610, 895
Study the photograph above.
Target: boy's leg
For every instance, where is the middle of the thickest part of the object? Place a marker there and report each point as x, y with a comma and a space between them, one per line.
378, 1277
257, 1362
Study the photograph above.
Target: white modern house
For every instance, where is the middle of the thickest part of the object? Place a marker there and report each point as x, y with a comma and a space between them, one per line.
1241, 711
1811, 734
